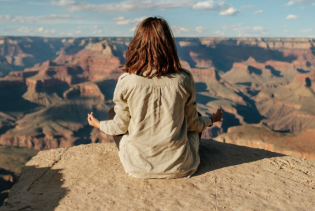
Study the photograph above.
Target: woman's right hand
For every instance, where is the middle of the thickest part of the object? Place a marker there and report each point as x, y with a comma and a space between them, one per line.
216, 117
93, 121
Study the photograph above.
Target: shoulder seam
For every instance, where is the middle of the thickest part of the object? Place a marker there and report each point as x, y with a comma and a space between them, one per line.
123, 76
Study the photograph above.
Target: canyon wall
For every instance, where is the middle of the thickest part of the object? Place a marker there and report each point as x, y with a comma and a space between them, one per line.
48, 85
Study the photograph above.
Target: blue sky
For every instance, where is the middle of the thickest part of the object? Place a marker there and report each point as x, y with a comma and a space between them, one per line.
188, 18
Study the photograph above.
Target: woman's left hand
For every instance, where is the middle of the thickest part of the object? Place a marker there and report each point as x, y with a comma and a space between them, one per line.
216, 117
93, 121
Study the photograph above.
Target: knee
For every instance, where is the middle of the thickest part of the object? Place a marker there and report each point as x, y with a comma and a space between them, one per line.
111, 114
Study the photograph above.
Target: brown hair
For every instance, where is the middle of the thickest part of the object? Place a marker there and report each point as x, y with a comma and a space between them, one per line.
152, 47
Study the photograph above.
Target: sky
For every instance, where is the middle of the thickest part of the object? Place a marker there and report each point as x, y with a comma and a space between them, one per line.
187, 18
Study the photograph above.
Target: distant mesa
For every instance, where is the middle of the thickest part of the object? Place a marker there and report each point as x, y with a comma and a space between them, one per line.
84, 90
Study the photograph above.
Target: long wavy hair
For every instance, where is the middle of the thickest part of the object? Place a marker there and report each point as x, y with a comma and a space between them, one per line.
152, 48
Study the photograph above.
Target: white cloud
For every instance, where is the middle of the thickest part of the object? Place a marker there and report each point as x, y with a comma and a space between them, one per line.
199, 29
133, 29
46, 31
26, 30
119, 18
306, 30
292, 17
88, 27
125, 21
292, 2
5, 18
221, 6
258, 12
37, 3
36, 19
98, 32
40, 29
204, 5
72, 32
64, 2
230, 11
247, 6
131, 5
218, 33
178, 30
246, 31
134, 5
258, 28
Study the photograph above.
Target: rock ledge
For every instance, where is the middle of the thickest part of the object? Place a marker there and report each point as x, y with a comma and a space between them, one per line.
230, 177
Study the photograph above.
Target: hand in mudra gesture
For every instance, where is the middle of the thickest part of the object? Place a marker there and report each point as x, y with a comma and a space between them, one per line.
93, 121
216, 117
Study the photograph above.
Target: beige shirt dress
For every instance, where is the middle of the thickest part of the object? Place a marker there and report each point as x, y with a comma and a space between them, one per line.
160, 123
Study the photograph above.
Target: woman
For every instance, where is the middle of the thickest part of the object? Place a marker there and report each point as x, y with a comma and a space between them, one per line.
155, 108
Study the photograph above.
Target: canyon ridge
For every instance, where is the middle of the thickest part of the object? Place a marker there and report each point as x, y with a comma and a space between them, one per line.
265, 87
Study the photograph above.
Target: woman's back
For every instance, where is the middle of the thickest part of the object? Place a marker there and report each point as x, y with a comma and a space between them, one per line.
157, 143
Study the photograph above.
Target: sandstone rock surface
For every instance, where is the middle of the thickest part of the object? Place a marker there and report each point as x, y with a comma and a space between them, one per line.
230, 177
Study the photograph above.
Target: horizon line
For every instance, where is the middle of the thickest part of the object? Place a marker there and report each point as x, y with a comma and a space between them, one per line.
69, 37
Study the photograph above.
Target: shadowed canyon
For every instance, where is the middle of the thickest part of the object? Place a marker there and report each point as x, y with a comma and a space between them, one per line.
265, 87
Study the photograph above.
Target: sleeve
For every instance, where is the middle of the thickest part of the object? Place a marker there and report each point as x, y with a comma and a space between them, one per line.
194, 122
119, 124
